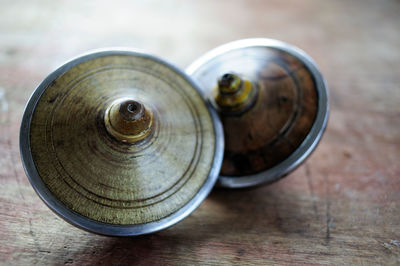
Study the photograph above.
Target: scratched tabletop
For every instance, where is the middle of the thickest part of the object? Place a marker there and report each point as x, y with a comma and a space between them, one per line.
340, 207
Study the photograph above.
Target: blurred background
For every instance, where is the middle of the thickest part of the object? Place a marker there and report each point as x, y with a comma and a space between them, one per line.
342, 206
354, 39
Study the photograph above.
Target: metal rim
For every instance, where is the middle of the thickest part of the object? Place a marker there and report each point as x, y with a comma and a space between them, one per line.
309, 143
91, 225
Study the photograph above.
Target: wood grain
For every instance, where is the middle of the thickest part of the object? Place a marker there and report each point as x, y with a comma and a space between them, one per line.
281, 116
341, 207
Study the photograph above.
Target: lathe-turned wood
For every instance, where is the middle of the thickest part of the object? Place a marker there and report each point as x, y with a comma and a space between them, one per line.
279, 121
99, 176
262, 132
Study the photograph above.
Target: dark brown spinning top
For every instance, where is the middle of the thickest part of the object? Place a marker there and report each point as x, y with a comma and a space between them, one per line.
120, 143
273, 104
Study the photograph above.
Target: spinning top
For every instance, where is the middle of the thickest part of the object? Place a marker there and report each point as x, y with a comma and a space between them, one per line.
120, 143
273, 104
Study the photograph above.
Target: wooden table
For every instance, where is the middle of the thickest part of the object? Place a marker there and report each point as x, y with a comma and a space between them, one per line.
340, 207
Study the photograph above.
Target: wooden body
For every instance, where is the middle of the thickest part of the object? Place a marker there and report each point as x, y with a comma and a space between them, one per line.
274, 127
103, 177
267, 118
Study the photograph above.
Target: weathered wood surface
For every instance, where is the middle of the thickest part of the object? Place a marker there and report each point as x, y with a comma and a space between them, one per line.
341, 207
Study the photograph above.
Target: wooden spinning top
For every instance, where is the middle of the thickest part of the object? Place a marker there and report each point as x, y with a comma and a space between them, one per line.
273, 104
120, 143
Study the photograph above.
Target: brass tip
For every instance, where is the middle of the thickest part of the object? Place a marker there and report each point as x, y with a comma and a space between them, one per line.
229, 83
234, 94
131, 110
128, 121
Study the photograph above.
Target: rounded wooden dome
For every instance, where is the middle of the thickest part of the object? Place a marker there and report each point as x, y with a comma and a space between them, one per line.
120, 143
273, 104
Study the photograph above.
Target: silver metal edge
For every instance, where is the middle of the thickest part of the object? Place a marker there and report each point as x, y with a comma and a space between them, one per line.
91, 225
316, 132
